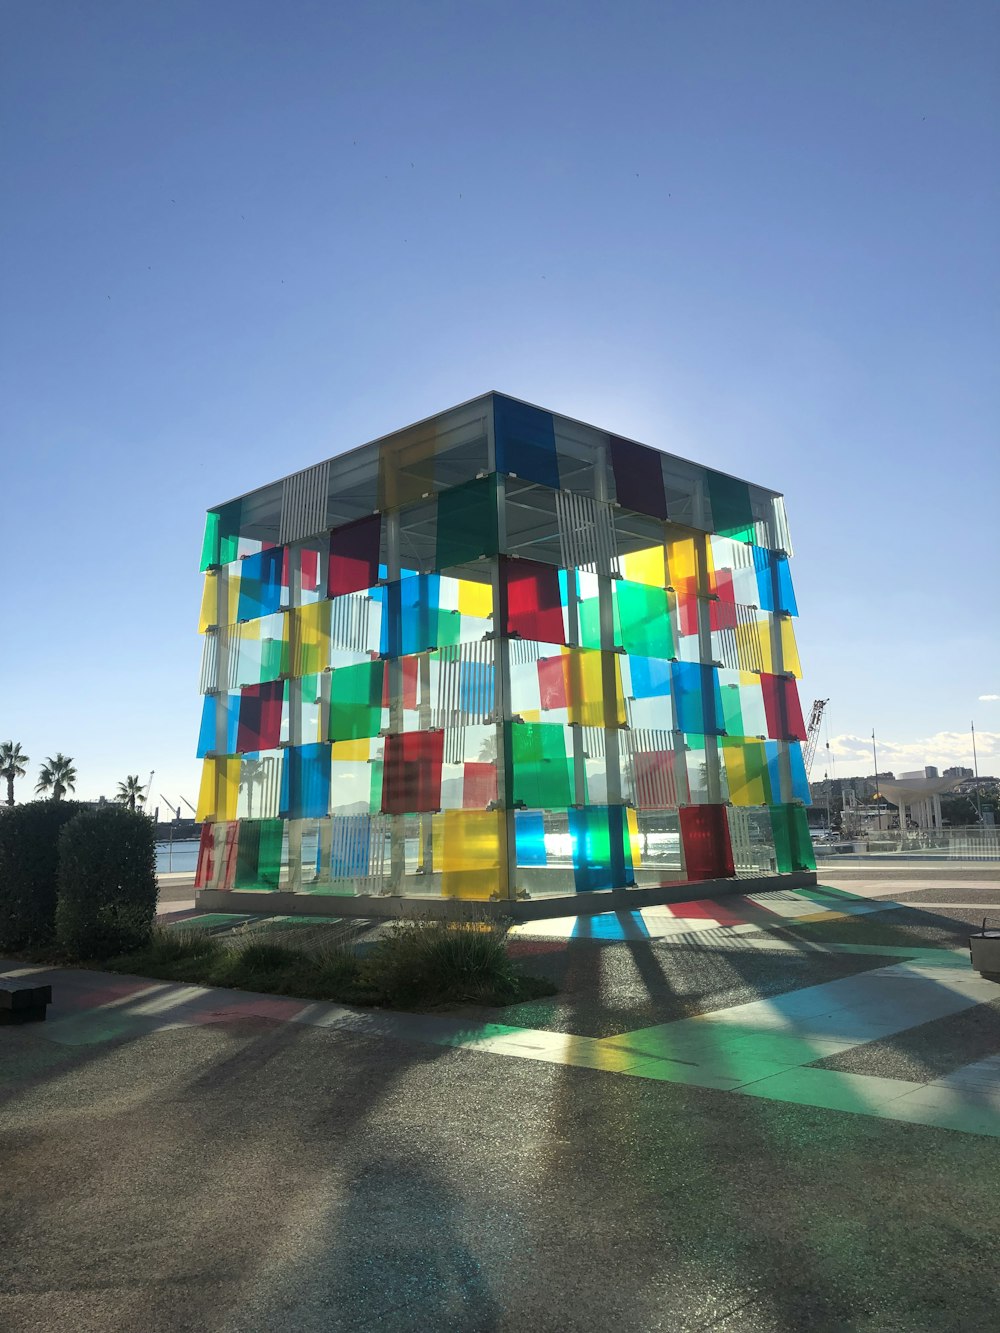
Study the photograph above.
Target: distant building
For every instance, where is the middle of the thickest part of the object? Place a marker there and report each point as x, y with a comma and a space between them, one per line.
957, 772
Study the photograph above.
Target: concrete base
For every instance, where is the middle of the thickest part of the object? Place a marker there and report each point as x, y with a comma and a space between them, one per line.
463, 909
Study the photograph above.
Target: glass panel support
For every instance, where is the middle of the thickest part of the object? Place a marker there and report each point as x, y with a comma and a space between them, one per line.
713, 778
507, 885
394, 671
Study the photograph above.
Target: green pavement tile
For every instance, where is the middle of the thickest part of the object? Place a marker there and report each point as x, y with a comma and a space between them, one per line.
832, 1091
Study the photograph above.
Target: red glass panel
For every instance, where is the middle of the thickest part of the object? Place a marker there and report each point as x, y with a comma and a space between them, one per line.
354, 552
552, 682
309, 567
411, 777
260, 717
655, 780
723, 612
534, 607
708, 853
782, 708
638, 477
227, 873
206, 857
479, 787
411, 675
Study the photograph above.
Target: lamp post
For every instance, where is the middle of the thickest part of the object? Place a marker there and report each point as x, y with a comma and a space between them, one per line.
878, 808
975, 766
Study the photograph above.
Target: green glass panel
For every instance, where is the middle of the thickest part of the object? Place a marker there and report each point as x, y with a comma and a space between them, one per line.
449, 628
732, 513
805, 854
210, 546
356, 701
375, 791
590, 623
258, 854
467, 522
230, 516
792, 844
310, 689
732, 713
782, 833
273, 659
543, 775
645, 620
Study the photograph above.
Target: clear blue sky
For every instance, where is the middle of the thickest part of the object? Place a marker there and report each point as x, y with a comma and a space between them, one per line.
241, 236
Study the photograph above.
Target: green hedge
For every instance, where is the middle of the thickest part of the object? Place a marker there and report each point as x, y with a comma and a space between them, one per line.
107, 882
29, 866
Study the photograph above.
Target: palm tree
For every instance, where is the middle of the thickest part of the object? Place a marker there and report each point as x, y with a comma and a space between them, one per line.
253, 773
57, 776
13, 764
130, 792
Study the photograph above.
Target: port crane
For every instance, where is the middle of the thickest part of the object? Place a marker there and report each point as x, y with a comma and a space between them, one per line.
812, 734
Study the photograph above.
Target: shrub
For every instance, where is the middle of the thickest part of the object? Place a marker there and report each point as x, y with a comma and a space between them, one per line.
438, 961
107, 882
29, 866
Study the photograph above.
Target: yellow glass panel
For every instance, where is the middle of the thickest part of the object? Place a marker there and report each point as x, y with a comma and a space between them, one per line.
745, 787
467, 852
634, 840
220, 789
682, 561
310, 638
750, 678
789, 649
475, 599
530, 714
351, 751
584, 675
233, 595
209, 603
649, 567
764, 634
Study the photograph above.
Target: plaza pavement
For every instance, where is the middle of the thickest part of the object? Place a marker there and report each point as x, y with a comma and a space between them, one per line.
758, 1113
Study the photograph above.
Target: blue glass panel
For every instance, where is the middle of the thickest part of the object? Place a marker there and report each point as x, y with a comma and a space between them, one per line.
305, 782
765, 586
564, 585
525, 442
529, 834
351, 844
697, 698
786, 593
206, 736
650, 678
800, 783
410, 623
774, 582
601, 858
475, 684
260, 584
773, 771
209, 713
232, 706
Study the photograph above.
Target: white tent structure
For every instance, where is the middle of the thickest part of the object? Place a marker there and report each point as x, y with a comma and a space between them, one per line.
918, 794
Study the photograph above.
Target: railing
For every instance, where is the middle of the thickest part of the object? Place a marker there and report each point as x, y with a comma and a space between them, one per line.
953, 844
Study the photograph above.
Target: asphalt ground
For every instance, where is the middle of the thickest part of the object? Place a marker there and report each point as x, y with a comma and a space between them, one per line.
255, 1175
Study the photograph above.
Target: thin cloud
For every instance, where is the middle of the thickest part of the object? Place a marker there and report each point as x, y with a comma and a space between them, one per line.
946, 749
988, 698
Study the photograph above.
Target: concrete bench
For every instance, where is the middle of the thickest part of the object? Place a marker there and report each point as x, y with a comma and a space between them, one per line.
24, 1004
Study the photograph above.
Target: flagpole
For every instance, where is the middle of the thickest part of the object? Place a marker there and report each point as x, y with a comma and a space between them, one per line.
878, 804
